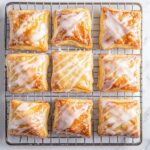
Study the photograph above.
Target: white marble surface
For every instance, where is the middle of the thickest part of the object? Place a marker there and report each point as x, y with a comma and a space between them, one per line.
146, 87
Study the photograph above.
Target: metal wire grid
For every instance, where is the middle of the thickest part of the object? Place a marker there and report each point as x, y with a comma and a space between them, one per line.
54, 139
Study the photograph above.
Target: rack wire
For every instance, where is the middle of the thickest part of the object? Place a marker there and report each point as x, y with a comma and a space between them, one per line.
54, 139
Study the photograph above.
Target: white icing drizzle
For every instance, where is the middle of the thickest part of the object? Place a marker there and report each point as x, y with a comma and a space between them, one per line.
22, 73
68, 65
116, 29
68, 114
37, 33
25, 106
27, 23
23, 122
75, 70
119, 116
69, 22
55, 57
120, 67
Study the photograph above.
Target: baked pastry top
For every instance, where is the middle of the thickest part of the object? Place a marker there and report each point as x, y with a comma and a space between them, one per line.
72, 71
119, 117
119, 73
120, 28
28, 118
27, 72
72, 26
73, 116
28, 30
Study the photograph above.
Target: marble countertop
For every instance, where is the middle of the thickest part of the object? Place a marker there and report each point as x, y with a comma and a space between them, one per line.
146, 87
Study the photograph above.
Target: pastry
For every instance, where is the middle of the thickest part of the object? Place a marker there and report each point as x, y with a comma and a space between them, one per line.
28, 30
119, 73
72, 71
28, 118
120, 28
27, 72
119, 117
72, 27
73, 116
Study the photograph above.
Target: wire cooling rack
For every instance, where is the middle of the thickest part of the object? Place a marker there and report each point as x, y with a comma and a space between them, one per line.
55, 139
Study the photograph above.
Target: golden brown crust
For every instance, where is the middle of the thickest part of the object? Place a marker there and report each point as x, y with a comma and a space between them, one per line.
28, 30
72, 27
73, 116
119, 117
72, 71
122, 30
27, 72
119, 73
28, 118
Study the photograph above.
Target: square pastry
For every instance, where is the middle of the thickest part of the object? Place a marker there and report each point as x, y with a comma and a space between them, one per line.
120, 28
119, 117
28, 118
72, 71
28, 30
73, 116
27, 72
72, 27
119, 73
